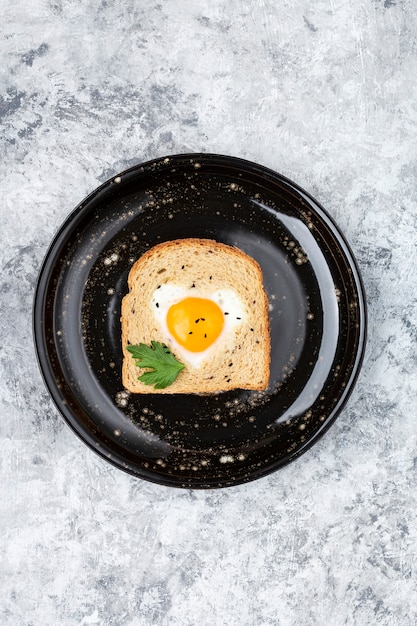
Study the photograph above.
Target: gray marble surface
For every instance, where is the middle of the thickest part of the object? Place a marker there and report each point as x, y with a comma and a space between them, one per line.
323, 92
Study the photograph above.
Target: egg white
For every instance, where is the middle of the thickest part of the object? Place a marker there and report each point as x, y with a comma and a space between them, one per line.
168, 294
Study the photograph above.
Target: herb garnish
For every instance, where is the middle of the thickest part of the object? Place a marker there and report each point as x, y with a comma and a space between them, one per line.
164, 367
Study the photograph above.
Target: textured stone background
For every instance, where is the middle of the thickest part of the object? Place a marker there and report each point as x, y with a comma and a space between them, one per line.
323, 92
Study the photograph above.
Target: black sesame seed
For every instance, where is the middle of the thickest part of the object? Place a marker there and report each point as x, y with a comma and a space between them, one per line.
230, 364
191, 332
205, 335
157, 305
251, 329
197, 320
238, 318
193, 285
226, 313
182, 267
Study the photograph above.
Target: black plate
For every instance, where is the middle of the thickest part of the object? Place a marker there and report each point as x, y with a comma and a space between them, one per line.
318, 320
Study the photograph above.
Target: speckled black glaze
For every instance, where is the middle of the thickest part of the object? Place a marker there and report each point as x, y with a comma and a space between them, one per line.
317, 314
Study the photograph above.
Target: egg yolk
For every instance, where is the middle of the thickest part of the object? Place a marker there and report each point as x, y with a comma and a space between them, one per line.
195, 323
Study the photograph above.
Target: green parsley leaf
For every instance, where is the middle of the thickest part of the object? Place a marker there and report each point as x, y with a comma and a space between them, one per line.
164, 367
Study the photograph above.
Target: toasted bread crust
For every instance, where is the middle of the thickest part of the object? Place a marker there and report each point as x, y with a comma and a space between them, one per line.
208, 265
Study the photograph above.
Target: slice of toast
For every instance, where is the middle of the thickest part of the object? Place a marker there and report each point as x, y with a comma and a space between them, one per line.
238, 359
